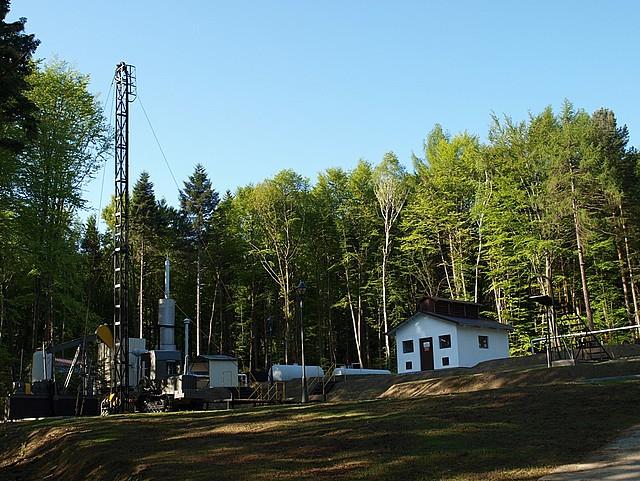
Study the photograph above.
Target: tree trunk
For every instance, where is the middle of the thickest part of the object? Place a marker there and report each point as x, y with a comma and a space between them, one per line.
454, 273
629, 267
141, 290
476, 287
198, 303
623, 279
35, 313
496, 295
2, 311
444, 265
385, 321
553, 325
213, 309
581, 262
221, 329
355, 316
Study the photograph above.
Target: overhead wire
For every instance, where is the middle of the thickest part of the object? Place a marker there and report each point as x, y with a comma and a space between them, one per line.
153, 131
175, 181
104, 166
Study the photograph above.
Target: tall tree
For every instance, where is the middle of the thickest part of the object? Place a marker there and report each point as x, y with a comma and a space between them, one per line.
144, 228
615, 169
275, 213
358, 226
18, 119
390, 187
71, 144
198, 200
17, 125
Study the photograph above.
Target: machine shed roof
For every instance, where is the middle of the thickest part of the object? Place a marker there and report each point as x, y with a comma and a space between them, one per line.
218, 357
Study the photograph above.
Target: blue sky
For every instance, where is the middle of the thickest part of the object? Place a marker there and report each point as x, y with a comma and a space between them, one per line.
250, 88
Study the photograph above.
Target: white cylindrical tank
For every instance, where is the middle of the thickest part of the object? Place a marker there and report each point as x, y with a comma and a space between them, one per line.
167, 314
349, 371
41, 367
167, 324
287, 372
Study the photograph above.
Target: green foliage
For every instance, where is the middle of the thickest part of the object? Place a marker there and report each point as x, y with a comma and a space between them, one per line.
18, 121
547, 205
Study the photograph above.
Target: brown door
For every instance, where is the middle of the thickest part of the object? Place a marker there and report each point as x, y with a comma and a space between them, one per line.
426, 354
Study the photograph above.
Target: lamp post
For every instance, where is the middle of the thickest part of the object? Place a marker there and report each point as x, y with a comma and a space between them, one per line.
300, 290
269, 336
547, 301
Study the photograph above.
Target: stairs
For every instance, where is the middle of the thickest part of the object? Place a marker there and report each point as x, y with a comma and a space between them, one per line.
264, 393
578, 343
318, 388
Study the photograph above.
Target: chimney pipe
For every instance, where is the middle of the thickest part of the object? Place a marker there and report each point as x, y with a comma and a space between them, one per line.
167, 267
166, 315
186, 345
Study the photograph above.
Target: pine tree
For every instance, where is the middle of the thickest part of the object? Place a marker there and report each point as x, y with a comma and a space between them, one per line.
144, 227
198, 201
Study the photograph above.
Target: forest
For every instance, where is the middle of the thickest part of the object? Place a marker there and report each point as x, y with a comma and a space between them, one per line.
545, 205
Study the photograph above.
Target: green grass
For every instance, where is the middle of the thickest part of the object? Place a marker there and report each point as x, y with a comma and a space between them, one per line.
507, 434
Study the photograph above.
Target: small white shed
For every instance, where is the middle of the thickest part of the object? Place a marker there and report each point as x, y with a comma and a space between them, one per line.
223, 370
446, 333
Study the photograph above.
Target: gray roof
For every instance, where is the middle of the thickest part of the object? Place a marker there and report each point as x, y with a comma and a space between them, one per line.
217, 357
167, 355
481, 322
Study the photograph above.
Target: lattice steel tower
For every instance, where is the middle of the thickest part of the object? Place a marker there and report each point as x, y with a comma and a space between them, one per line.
125, 94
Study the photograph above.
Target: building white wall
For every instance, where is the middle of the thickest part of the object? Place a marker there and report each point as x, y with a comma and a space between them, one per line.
469, 348
465, 350
421, 326
223, 373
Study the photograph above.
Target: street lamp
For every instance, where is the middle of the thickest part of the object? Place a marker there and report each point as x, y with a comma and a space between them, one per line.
269, 337
300, 290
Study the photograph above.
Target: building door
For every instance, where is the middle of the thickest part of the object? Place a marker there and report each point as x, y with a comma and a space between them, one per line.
426, 354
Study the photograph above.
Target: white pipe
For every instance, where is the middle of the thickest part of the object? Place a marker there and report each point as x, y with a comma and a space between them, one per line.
186, 345
579, 334
167, 267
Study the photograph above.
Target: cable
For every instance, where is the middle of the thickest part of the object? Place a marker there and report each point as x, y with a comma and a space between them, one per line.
158, 142
104, 166
166, 161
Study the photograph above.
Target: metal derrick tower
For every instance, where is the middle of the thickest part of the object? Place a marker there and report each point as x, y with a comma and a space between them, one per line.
125, 94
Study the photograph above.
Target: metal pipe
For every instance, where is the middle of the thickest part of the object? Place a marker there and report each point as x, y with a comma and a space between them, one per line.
305, 394
187, 321
585, 333
167, 267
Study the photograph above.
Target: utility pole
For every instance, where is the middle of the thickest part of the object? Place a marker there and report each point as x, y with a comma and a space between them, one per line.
125, 94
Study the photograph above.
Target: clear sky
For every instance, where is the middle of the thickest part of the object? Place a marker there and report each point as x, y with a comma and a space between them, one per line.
252, 87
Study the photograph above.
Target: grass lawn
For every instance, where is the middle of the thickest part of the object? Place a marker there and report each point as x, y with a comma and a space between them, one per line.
505, 434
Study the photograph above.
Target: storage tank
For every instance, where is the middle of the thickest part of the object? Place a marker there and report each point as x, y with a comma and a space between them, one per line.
42, 366
350, 371
167, 315
287, 372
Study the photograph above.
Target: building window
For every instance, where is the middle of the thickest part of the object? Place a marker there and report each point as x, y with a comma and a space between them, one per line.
483, 342
407, 346
445, 341
445, 361
408, 366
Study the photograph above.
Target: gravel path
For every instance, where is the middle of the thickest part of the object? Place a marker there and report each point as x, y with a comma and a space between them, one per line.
619, 460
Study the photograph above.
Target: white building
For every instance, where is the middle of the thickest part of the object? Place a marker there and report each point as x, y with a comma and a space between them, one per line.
223, 370
445, 333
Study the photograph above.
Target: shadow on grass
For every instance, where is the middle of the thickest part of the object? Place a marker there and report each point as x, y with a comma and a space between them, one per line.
496, 435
